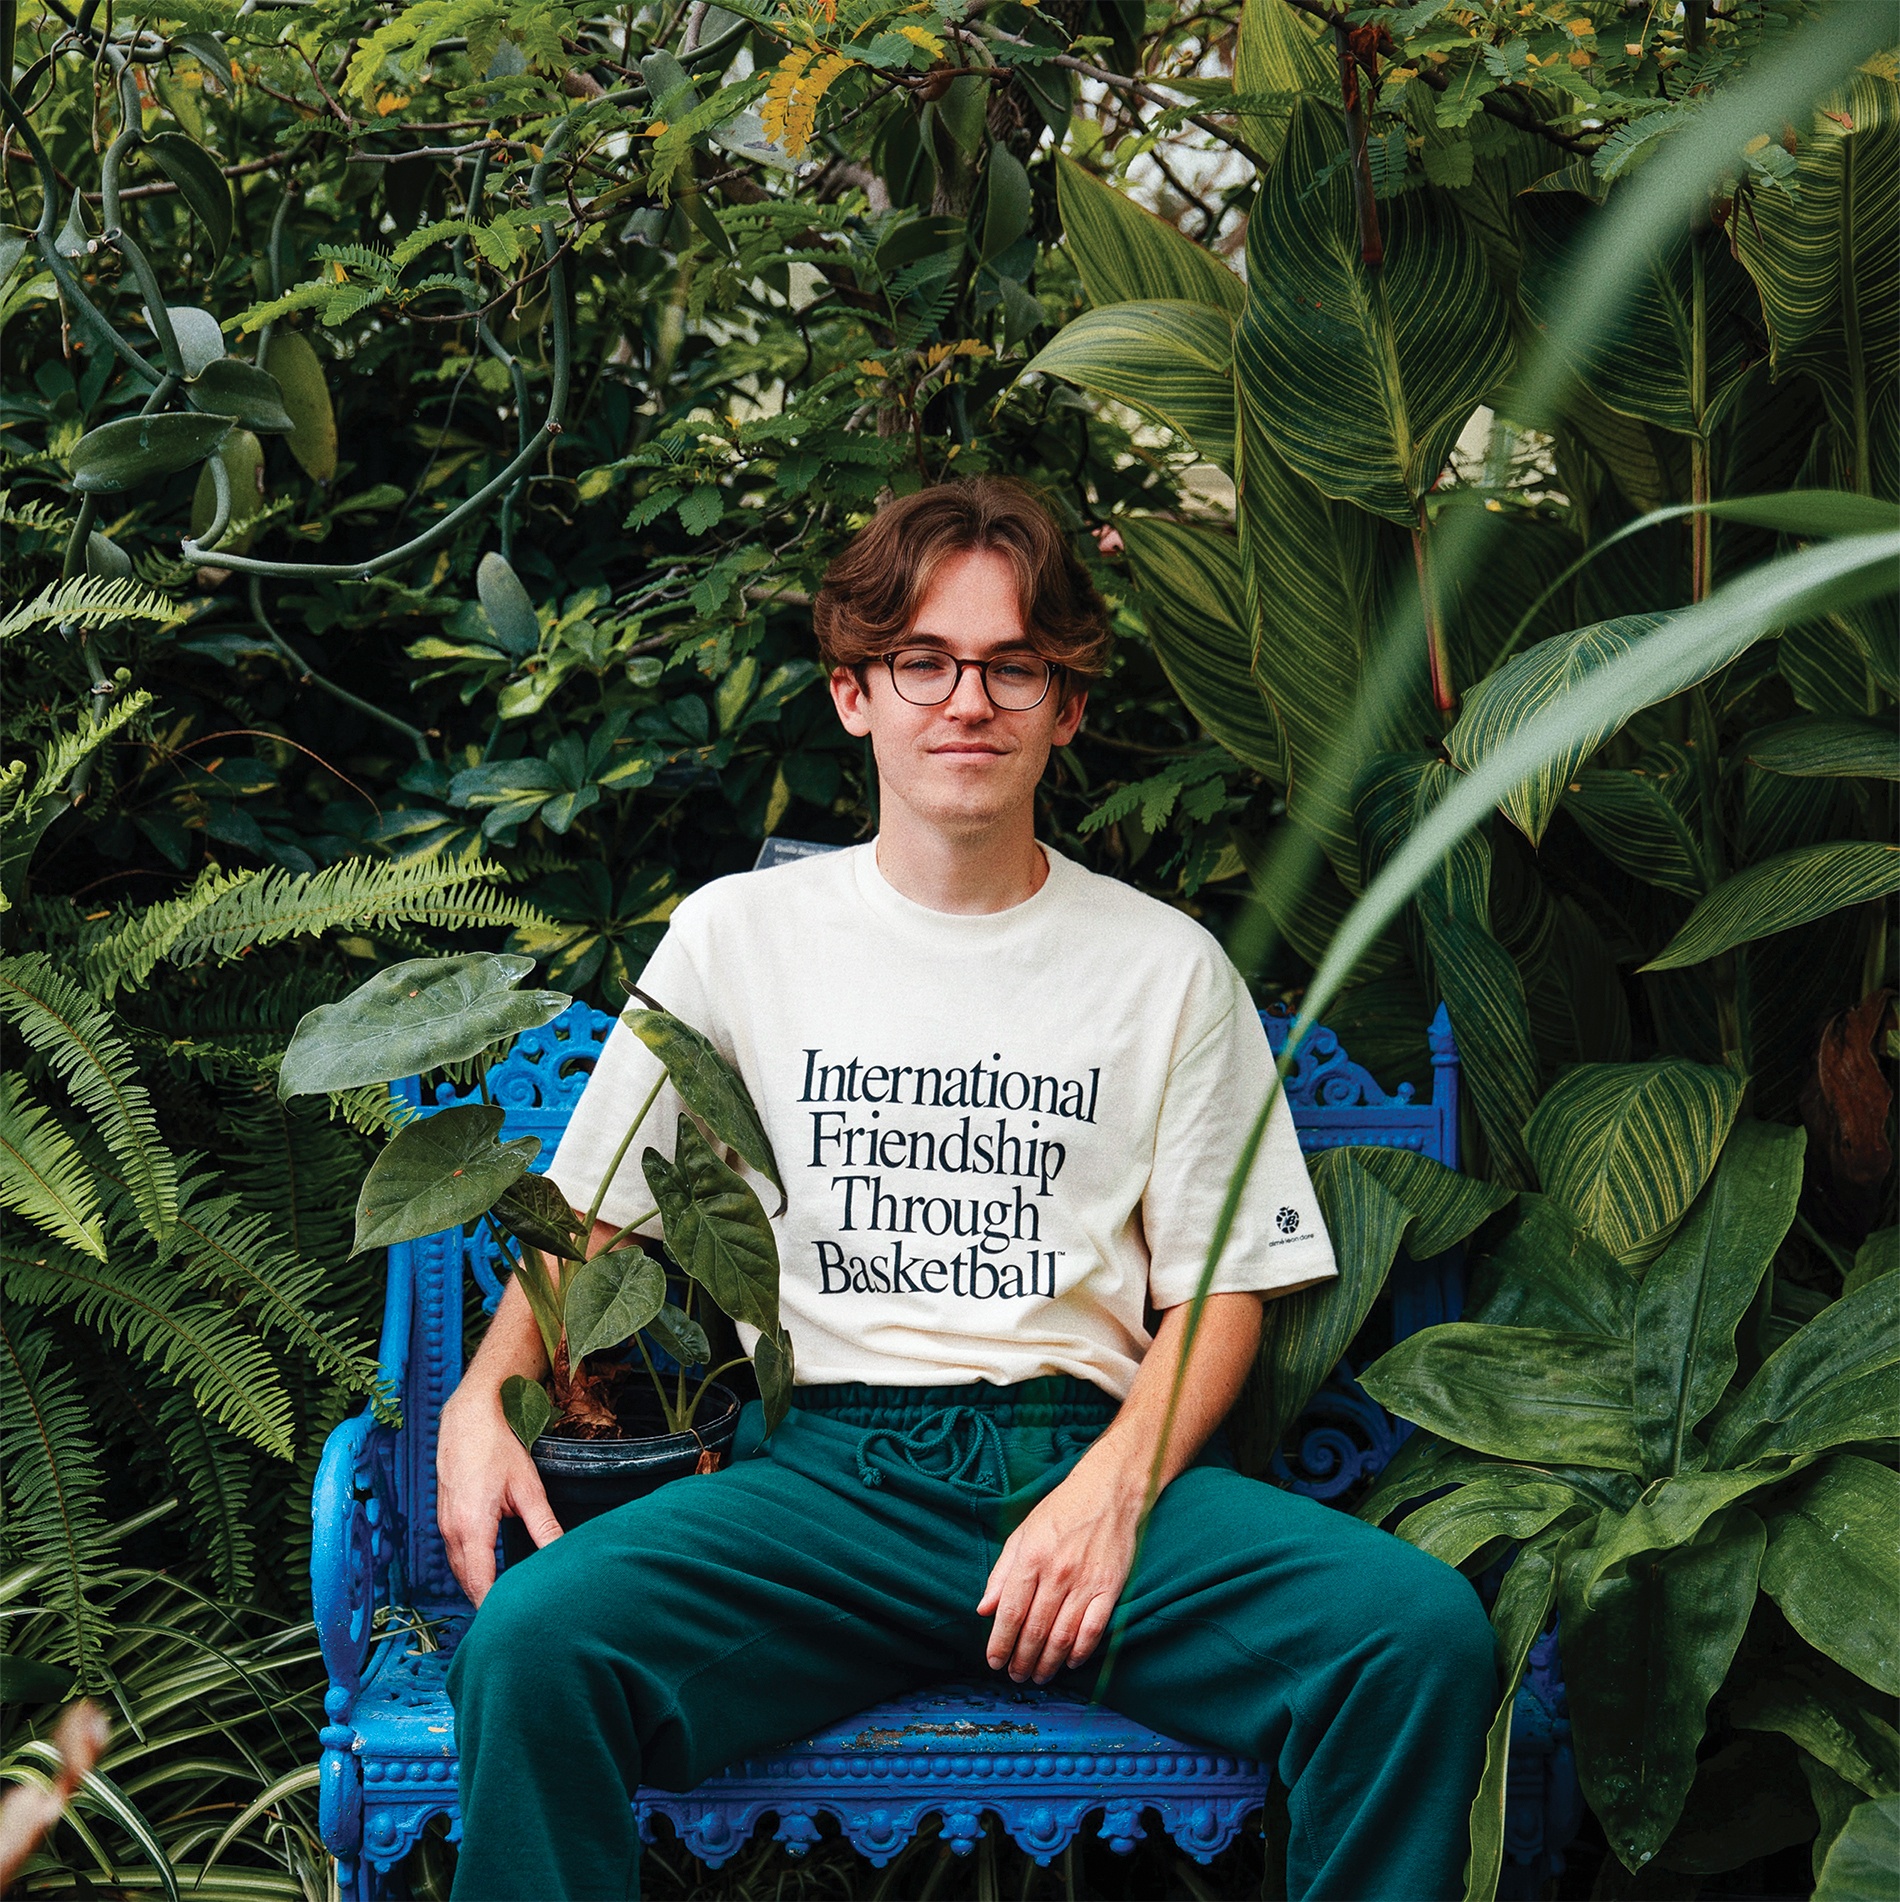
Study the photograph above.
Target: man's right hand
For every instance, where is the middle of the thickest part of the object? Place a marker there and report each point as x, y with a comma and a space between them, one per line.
483, 1475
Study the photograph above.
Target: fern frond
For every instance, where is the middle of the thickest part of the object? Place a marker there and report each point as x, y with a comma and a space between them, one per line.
236, 1256
290, 1161
84, 1048
216, 1472
227, 913
49, 1480
147, 1310
95, 600
46, 517
42, 1174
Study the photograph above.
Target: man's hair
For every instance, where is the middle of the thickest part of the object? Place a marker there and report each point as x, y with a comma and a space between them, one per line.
871, 593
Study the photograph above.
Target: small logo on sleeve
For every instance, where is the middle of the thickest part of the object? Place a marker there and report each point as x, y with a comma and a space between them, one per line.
1288, 1223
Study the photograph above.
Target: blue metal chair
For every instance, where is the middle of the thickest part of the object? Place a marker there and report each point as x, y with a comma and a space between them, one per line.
389, 1611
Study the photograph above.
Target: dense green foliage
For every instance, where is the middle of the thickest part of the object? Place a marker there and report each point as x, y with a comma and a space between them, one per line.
424, 427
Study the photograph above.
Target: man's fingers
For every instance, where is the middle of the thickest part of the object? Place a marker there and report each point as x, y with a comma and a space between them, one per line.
530, 1500
1095, 1619
1018, 1593
1035, 1630
473, 1563
1061, 1641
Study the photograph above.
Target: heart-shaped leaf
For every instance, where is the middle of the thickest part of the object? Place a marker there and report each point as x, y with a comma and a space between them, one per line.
709, 1087
299, 377
610, 1299
536, 1213
413, 1017
678, 1334
231, 387
772, 1365
139, 448
505, 601
202, 186
438, 1172
526, 1407
716, 1229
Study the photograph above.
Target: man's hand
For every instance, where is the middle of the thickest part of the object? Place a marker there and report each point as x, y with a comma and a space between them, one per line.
483, 1474
1055, 1584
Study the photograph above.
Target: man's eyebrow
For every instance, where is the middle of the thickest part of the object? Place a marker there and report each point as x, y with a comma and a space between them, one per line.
917, 637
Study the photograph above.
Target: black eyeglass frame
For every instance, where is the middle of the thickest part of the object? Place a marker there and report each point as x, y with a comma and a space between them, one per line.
982, 673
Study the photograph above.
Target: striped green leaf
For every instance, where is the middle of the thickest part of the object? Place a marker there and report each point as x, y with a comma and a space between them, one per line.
1548, 1273
1193, 603
1172, 361
1124, 253
1826, 260
1634, 816
1280, 55
1820, 747
1833, 1565
1441, 1206
1363, 379
1499, 707
1626, 1147
1790, 889
1505, 1503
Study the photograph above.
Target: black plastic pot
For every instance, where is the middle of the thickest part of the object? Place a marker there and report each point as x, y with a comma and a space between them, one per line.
585, 1478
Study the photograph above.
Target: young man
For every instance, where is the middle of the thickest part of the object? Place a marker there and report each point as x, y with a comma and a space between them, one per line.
1006, 1096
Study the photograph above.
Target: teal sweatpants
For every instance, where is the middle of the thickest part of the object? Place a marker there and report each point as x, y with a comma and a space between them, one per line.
841, 1563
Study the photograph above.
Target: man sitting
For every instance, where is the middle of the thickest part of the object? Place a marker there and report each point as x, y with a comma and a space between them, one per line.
1007, 1097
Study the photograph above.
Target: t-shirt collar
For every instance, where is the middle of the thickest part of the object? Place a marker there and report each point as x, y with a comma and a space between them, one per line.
983, 927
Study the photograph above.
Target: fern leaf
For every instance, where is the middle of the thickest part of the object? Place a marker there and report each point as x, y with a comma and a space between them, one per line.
84, 1048
228, 913
42, 1174
217, 1479
94, 600
148, 1311
50, 1483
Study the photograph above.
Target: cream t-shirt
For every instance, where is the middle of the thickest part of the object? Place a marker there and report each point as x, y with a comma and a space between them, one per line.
1001, 1136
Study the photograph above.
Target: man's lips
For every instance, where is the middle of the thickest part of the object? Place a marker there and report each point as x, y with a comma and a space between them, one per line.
967, 747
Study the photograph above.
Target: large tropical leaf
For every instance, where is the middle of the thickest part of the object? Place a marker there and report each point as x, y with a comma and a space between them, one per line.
1193, 600
1626, 1146
1173, 361
1833, 1565
1792, 888
1697, 1290
1281, 54
1816, 746
1499, 706
1549, 1273
610, 1299
1634, 816
1508, 1504
1826, 260
1361, 378
414, 1017
1861, 1861
1441, 1206
1123, 252
1521, 1393
716, 1229
1644, 1651
709, 1086
1834, 1382
438, 1172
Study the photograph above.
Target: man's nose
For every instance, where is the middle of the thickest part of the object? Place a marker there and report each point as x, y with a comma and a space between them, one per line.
970, 701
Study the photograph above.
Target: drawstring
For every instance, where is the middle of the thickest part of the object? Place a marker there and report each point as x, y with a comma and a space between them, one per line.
959, 1445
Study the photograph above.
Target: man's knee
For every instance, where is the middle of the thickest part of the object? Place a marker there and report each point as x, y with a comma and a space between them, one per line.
1435, 1623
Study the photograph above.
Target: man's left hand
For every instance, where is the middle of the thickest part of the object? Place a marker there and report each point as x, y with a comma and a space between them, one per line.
1055, 1584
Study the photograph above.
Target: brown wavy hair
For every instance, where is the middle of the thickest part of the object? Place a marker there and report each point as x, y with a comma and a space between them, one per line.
872, 592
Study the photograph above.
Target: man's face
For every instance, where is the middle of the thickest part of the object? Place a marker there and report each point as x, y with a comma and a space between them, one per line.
963, 765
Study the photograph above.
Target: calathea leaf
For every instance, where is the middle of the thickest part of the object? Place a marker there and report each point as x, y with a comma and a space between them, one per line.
709, 1086
1362, 379
1631, 817
536, 1213
1747, 1801
526, 1407
1833, 1565
1879, 1255
1423, 1464
136, 449
1172, 361
1626, 1146
1522, 1393
1823, 746
1441, 1206
412, 1018
1789, 889
1643, 1652
1124, 253
1193, 601
678, 1334
610, 1299
438, 1172
1548, 1273
1696, 1292
716, 1229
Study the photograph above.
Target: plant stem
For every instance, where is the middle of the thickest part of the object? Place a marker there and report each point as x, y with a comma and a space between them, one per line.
738, 1360
620, 1156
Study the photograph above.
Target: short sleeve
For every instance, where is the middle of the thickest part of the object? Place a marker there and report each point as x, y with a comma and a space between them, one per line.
1215, 1088
624, 1073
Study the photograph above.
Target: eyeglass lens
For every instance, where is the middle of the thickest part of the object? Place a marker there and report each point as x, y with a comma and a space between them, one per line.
927, 677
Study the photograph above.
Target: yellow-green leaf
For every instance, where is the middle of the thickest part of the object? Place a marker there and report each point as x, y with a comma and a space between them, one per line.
1792, 888
1124, 253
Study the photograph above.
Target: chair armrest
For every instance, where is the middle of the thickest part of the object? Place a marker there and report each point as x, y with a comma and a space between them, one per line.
354, 1539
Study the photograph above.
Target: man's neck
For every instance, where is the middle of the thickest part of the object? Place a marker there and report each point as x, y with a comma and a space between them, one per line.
966, 873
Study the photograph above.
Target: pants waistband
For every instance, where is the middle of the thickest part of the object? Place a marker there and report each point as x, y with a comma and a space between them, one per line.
1054, 1400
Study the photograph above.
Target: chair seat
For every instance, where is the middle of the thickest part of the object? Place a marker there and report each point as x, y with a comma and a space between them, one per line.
1039, 1760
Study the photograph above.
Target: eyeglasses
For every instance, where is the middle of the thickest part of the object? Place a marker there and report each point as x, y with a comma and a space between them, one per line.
927, 677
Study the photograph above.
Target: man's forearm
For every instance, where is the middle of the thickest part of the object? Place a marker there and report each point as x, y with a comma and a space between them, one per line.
513, 1343
1223, 1354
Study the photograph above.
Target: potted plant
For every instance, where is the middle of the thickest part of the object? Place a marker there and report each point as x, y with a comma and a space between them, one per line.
631, 1399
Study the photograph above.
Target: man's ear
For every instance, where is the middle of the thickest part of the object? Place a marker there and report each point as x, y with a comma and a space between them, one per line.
1069, 720
853, 701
